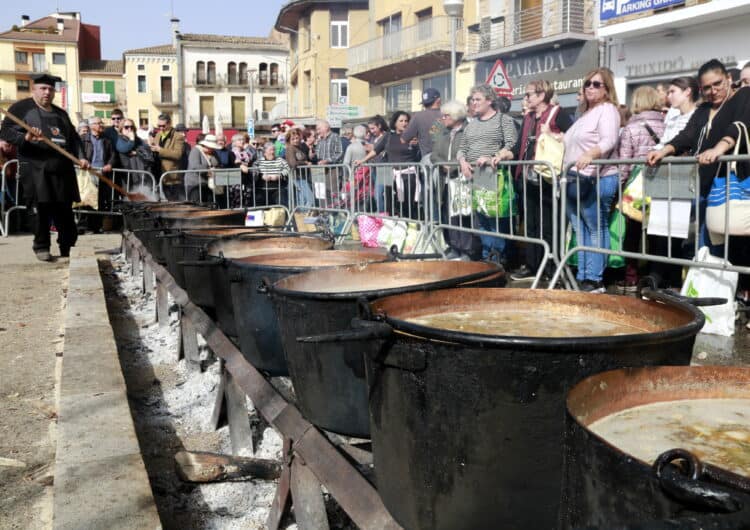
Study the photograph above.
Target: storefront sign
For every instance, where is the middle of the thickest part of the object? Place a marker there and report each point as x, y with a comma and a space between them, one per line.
338, 113
91, 97
619, 8
672, 65
564, 67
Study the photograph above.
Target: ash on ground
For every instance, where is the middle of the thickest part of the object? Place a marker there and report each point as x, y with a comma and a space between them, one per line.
172, 410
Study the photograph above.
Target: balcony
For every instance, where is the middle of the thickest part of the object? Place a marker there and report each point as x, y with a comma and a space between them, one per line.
560, 22
222, 81
164, 101
415, 50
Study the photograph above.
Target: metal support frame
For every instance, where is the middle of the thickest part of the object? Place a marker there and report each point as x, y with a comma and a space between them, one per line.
323, 463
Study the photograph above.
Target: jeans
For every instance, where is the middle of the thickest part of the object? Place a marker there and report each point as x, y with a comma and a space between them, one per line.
592, 229
490, 243
379, 197
304, 194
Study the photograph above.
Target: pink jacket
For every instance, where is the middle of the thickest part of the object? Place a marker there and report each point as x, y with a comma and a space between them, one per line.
635, 140
596, 127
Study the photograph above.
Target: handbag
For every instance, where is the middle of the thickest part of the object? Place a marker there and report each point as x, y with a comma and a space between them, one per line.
459, 197
497, 202
617, 225
738, 192
549, 149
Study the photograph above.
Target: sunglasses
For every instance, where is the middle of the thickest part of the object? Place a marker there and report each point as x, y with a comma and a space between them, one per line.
715, 85
127, 127
595, 84
116, 118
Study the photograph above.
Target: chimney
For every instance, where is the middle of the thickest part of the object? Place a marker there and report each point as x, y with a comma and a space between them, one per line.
24, 20
175, 30
60, 25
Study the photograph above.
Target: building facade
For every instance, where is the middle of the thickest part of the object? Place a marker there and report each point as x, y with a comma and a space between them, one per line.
232, 79
408, 50
57, 44
151, 83
535, 39
320, 36
102, 88
649, 47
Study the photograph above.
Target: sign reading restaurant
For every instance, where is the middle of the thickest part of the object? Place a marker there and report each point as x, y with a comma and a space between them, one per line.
619, 8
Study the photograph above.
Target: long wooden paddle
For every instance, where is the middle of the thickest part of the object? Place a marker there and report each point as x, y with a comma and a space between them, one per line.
53, 145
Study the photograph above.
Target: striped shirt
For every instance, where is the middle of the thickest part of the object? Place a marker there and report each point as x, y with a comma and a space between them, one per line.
487, 137
330, 149
272, 171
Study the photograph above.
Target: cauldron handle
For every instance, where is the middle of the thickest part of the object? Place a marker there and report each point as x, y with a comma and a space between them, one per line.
646, 289
361, 330
691, 490
395, 255
264, 287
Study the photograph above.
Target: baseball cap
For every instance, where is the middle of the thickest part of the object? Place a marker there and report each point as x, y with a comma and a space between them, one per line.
429, 95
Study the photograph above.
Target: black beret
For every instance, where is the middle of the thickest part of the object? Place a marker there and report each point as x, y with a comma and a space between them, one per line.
45, 79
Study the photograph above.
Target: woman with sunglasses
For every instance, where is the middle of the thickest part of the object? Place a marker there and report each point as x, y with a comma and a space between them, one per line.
134, 154
592, 189
710, 132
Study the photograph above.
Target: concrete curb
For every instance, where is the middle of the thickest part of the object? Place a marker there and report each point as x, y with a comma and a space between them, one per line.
100, 478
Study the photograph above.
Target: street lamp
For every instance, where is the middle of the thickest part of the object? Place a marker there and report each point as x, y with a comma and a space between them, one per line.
454, 9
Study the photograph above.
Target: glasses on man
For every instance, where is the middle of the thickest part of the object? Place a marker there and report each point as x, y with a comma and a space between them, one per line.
716, 85
596, 84
116, 118
161, 125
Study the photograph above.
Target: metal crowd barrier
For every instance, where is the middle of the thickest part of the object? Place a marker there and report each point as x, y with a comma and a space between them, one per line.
131, 180
9, 200
678, 191
323, 193
398, 192
457, 204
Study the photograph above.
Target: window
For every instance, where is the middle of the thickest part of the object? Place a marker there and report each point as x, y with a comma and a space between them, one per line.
58, 58
308, 91
211, 73
200, 73
424, 24
263, 74
106, 87
143, 118
22, 85
306, 30
22, 58
339, 87
243, 73
398, 97
166, 90
339, 28
141, 67
440, 82
165, 68
103, 114
232, 73
39, 64
391, 29
274, 74
141, 84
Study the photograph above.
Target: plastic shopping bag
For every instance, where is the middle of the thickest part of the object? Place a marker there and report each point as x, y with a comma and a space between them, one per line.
713, 283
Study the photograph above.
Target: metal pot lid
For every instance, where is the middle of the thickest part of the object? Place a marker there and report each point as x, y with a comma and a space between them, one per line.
267, 243
307, 259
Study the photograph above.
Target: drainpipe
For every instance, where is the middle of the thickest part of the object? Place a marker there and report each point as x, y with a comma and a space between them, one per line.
180, 80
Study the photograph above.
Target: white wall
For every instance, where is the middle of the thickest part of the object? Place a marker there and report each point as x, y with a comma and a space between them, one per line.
663, 55
223, 95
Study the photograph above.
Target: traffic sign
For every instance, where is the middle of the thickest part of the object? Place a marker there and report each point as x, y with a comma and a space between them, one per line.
499, 80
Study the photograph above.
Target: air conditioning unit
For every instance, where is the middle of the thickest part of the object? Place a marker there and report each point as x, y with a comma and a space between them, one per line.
265, 115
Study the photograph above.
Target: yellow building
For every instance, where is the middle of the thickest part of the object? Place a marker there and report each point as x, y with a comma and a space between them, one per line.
321, 35
408, 50
151, 83
56, 44
102, 88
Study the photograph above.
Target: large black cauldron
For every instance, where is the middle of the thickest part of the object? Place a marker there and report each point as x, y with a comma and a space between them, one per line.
467, 429
605, 486
255, 319
329, 378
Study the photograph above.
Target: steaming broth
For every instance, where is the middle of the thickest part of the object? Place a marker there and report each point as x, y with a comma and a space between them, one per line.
526, 323
715, 430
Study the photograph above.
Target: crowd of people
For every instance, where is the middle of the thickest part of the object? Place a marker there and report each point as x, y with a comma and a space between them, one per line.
469, 142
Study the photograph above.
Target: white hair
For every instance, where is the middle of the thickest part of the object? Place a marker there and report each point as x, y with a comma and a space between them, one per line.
360, 131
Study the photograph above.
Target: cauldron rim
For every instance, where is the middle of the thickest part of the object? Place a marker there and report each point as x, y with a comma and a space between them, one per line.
490, 270
572, 345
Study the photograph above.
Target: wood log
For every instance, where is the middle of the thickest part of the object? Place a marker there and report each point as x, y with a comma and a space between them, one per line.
198, 466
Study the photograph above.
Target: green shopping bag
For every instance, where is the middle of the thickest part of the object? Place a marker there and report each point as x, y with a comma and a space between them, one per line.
494, 198
616, 240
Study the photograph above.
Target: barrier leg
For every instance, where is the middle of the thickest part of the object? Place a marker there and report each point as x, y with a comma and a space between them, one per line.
148, 279
190, 344
162, 305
